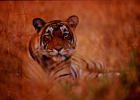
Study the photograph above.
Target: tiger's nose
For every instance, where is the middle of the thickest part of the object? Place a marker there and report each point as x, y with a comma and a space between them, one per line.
58, 48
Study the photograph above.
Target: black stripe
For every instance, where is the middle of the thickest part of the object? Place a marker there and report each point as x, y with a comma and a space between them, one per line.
30, 50
74, 72
31, 53
40, 40
63, 75
87, 65
67, 58
59, 70
44, 57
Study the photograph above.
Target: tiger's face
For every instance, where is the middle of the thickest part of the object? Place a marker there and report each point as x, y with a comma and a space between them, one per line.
56, 38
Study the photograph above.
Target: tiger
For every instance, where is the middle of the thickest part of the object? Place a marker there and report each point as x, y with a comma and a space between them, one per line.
53, 48
53, 45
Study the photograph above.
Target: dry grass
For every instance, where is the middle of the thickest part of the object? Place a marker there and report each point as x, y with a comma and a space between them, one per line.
108, 31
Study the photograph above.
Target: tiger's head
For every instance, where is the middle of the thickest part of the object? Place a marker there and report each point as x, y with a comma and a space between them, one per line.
56, 39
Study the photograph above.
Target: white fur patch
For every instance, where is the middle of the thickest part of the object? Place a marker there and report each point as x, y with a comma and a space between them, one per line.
64, 29
49, 28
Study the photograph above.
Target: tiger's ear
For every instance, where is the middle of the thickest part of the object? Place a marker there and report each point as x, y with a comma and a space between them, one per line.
38, 23
73, 21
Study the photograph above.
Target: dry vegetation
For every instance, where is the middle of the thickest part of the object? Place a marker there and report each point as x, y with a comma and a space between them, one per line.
108, 31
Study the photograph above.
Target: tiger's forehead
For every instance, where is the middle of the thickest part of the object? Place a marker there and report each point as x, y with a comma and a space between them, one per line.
56, 24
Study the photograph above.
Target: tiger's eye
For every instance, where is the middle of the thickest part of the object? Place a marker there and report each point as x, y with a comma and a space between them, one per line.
67, 36
65, 30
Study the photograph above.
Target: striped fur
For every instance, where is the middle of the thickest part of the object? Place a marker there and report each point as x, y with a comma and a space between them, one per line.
53, 46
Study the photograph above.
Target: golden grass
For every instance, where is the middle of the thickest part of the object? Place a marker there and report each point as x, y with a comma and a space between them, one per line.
108, 31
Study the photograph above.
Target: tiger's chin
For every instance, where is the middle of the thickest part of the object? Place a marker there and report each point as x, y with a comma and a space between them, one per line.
58, 58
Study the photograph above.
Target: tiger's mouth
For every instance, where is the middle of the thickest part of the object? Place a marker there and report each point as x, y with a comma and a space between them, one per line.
57, 56
60, 58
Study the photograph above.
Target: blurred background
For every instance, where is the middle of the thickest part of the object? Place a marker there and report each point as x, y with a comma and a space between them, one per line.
109, 31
